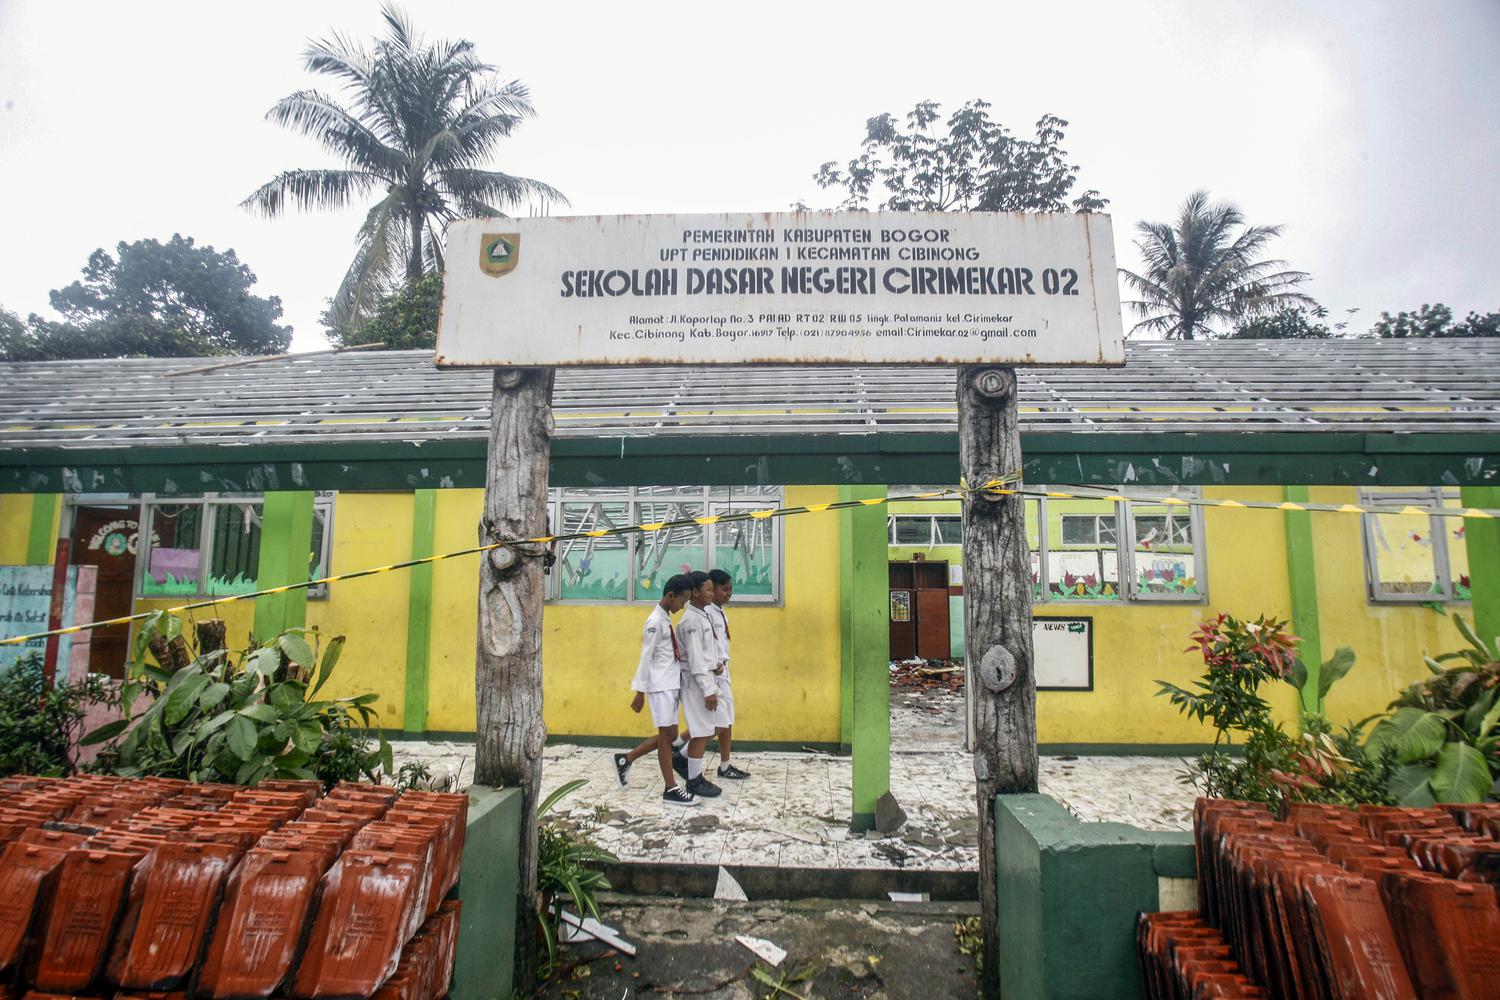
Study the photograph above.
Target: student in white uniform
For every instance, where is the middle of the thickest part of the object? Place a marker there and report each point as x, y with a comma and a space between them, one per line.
700, 686
723, 585
658, 678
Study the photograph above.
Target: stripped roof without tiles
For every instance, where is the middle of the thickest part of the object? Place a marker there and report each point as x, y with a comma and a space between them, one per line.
1379, 386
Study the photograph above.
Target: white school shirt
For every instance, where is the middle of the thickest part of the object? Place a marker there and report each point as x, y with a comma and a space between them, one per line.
697, 637
720, 622
659, 668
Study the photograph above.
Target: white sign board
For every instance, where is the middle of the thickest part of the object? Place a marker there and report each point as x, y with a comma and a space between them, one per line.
793, 288
1063, 652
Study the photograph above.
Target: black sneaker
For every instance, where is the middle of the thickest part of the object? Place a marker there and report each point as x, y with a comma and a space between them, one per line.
703, 788
678, 796
732, 773
622, 770
679, 764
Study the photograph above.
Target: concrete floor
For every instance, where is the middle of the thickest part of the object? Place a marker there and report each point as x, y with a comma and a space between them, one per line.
795, 810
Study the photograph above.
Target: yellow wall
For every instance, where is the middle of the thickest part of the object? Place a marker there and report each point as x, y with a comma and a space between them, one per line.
1137, 643
369, 529
15, 527
1388, 640
786, 665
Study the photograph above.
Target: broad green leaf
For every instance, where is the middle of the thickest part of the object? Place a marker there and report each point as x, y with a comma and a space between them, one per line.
260, 712
184, 740
309, 737
213, 694
252, 771
106, 732
386, 757
297, 650
1334, 668
1296, 677
1461, 775
364, 699
330, 657
266, 660
1415, 734
287, 698
1489, 722
183, 696
242, 737
156, 673
1474, 717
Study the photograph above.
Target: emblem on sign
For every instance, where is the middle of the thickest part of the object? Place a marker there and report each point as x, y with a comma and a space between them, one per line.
499, 252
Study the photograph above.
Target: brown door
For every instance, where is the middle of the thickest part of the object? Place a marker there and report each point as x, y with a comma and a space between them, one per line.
106, 537
933, 640
903, 611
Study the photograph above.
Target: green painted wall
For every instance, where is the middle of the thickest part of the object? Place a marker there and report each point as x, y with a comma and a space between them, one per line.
1068, 896
285, 557
41, 541
488, 880
1482, 537
419, 612
1302, 576
867, 638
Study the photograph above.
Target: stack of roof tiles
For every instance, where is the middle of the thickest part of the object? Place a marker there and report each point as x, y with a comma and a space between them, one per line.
1332, 903
163, 889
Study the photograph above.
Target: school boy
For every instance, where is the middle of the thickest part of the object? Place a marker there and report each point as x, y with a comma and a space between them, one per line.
658, 678
723, 589
700, 686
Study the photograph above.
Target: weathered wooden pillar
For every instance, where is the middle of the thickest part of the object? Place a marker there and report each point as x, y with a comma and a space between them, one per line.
997, 618
509, 731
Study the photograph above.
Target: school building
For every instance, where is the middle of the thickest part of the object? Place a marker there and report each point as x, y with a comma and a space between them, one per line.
181, 486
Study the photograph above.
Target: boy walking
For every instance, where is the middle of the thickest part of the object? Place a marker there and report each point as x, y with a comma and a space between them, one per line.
723, 590
658, 679
700, 686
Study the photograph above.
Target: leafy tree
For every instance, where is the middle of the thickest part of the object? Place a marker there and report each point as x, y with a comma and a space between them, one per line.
968, 163
421, 122
1288, 323
165, 300
405, 320
1206, 270
1436, 321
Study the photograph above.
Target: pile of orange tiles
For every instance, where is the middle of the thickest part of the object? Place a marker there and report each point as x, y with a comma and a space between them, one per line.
162, 889
1332, 903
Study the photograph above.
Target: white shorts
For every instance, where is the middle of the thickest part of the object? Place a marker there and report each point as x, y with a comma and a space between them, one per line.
663, 708
724, 714
700, 718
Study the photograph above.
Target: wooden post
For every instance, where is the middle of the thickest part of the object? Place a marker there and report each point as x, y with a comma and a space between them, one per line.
997, 612
509, 731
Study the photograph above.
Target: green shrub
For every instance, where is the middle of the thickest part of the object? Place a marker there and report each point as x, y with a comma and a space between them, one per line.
240, 717
39, 726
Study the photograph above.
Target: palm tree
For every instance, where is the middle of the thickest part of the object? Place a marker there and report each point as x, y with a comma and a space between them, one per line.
1205, 270
421, 125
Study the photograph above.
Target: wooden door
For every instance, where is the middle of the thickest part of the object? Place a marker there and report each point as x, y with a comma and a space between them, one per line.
106, 537
933, 639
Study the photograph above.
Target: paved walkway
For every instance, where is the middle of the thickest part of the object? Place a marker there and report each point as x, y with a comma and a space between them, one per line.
795, 810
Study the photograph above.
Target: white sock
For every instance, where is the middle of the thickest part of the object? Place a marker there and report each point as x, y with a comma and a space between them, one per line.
723, 759
679, 743
695, 768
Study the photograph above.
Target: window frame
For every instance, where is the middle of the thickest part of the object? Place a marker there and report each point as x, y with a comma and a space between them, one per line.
1442, 564
211, 502
706, 497
1199, 544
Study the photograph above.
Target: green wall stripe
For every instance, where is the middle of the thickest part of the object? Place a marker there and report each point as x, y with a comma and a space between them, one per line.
285, 548
41, 542
1302, 576
419, 611
846, 624
870, 640
1482, 536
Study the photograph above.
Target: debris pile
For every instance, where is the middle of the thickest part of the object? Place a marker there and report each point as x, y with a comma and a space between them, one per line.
927, 675
164, 888
1333, 902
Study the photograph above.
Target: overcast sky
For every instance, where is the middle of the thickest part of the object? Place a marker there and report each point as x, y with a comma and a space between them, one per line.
1370, 129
